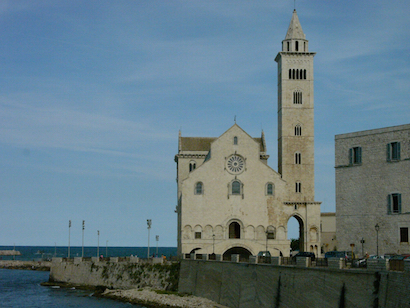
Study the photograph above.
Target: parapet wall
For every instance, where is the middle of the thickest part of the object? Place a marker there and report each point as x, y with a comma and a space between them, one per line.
115, 274
256, 285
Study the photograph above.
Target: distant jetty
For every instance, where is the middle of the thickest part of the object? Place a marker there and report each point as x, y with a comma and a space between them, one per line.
10, 253
26, 265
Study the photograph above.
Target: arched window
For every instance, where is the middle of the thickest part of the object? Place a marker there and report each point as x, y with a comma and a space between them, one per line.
234, 230
297, 46
290, 74
298, 158
235, 140
270, 189
304, 71
298, 130
288, 46
236, 188
199, 188
270, 233
297, 74
301, 74
293, 74
192, 166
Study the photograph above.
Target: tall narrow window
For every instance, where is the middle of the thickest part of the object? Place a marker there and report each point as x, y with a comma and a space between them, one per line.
298, 187
297, 46
355, 156
297, 74
288, 46
298, 130
236, 188
404, 235
235, 140
304, 46
298, 158
394, 203
301, 74
304, 73
234, 230
293, 74
393, 151
290, 74
297, 97
269, 189
192, 166
199, 189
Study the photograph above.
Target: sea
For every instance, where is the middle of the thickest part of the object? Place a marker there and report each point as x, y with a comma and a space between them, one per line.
21, 288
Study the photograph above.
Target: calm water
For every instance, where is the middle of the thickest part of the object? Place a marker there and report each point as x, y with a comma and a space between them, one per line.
21, 288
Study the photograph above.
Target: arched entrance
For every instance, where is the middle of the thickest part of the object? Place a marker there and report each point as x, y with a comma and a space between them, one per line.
297, 236
242, 252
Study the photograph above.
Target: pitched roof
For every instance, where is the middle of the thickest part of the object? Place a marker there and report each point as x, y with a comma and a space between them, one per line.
204, 143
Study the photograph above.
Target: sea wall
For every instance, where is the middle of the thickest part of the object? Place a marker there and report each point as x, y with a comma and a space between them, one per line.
257, 285
114, 273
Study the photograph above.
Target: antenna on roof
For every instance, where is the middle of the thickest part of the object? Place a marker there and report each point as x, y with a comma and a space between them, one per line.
294, 5
234, 118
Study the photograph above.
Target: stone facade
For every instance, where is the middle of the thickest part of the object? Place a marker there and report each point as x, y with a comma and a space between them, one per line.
328, 232
373, 188
229, 200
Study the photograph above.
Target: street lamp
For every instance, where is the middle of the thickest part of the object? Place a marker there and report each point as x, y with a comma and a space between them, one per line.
82, 251
149, 223
69, 229
98, 243
377, 228
213, 244
157, 238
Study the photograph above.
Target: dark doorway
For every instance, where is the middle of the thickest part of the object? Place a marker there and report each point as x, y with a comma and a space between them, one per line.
242, 252
234, 230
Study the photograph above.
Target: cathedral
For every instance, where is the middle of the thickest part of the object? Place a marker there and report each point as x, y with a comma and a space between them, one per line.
230, 201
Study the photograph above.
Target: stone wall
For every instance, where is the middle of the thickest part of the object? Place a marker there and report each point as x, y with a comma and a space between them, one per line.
119, 275
252, 285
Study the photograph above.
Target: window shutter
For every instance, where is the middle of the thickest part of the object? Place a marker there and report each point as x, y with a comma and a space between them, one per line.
350, 156
388, 204
359, 149
398, 150
388, 152
399, 201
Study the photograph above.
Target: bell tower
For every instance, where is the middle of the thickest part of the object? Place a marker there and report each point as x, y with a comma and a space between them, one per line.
295, 113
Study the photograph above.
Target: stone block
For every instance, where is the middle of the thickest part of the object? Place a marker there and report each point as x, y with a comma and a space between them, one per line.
78, 260
57, 260
95, 259
303, 262
134, 259
335, 263
114, 259
276, 260
235, 258
253, 259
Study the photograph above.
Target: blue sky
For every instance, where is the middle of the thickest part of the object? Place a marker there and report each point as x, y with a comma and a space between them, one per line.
93, 94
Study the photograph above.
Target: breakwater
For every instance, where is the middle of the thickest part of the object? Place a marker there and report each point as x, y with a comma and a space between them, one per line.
116, 273
26, 265
244, 285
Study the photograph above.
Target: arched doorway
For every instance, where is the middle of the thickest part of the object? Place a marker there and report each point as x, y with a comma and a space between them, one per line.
242, 252
296, 233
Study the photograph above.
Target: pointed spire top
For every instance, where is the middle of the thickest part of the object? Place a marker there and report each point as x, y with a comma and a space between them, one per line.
295, 29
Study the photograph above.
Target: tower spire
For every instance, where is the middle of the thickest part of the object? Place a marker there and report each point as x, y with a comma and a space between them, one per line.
295, 40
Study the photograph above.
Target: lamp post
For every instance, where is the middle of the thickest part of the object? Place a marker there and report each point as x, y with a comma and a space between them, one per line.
157, 238
362, 241
377, 228
213, 244
98, 243
149, 223
82, 251
69, 229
